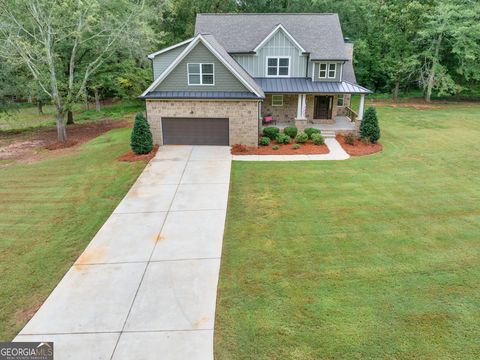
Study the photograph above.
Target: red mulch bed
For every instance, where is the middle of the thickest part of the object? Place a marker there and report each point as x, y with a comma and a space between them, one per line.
359, 148
130, 156
305, 149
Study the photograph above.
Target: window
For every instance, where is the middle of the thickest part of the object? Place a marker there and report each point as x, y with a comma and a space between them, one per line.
329, 69
332, 70
322, 74
340, 101
278, 66
277, 100
200, 74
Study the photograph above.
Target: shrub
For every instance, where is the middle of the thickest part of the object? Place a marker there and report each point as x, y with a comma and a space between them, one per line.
318, 139
283, 139
290, 131
349, 139
295, 146
271, 132
311, 131
141, 140
301, 138
239, 148
275, 147
369, 128
264, 141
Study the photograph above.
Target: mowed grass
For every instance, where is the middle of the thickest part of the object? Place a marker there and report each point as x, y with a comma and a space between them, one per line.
49, 211
376, 257
26, 116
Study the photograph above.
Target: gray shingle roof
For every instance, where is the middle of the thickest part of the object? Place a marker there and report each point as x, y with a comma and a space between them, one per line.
319, 34
231, 61
348, 73
306, 85
199, 95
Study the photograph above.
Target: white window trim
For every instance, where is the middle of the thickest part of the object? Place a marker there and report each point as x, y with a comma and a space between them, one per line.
281, 96
334, 71
201, 74
327, 73
343, 100
326, 70
278, 65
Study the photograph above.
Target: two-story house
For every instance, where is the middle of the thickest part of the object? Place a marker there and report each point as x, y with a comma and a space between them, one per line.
215, 88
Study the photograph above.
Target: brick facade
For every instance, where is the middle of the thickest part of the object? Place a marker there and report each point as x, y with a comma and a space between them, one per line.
243, 116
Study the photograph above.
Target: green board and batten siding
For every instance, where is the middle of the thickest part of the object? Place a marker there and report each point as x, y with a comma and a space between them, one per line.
177, 80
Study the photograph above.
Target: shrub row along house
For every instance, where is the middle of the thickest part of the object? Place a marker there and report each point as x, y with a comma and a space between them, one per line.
241, 71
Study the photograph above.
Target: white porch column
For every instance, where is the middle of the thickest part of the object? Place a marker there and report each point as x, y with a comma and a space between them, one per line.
304, 106
360, 109
299, 106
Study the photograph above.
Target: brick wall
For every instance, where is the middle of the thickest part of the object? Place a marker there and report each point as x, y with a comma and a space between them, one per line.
282, 114
243, 115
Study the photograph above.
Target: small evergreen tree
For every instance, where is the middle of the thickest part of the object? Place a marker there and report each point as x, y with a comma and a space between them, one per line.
141, 140
369, 128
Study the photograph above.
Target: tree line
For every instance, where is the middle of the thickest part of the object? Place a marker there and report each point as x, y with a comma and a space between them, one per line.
66, 51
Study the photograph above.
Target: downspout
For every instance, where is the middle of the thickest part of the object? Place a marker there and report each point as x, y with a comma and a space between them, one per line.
308, 60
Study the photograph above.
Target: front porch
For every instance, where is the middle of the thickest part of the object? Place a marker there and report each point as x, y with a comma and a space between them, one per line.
330, 113
340, 124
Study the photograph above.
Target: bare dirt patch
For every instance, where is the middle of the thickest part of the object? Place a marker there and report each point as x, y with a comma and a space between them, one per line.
359, 148
305, 149
131, 156
29, 146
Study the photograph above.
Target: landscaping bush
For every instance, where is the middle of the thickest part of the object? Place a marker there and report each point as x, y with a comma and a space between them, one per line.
283, 139
275, 147
318, 139
295, 146
301, 138
290, 131
239, 148
311, 131
349, 139
271, 132
369, 128
141, 140
264, 141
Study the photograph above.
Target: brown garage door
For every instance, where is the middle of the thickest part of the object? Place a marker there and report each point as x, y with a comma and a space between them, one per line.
195, 131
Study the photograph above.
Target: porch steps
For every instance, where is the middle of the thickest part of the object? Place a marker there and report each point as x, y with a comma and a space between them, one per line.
327, 134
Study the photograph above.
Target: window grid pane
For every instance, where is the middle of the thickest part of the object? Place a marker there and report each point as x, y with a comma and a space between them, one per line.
277, 100
200, 74
279, 66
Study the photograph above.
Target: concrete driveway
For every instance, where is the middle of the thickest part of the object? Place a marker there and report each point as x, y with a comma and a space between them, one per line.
145, 287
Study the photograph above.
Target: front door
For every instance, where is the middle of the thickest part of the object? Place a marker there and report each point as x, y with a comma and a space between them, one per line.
323, 107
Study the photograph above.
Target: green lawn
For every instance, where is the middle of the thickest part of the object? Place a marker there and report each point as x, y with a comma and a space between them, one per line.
25, 116
49, 211
375, 257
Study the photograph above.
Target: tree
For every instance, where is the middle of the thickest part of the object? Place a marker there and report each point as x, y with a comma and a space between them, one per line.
141, 140
369, 128
451, 46
63, 43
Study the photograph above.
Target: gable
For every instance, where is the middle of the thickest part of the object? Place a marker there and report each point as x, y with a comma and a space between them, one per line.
279, 37
279, 44
177, 79
160, 62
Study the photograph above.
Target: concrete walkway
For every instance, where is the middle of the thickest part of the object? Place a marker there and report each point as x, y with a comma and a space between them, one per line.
145, 287
336, 153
